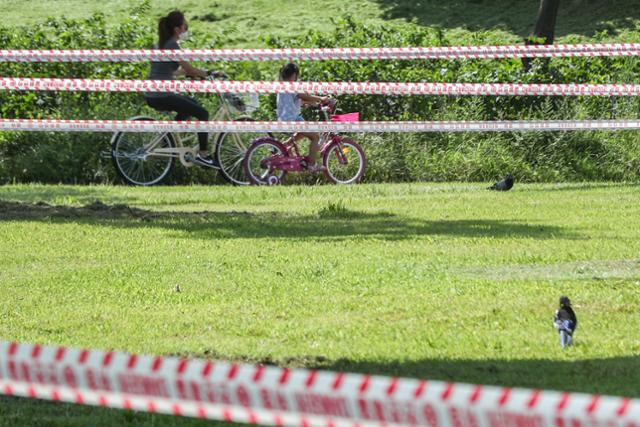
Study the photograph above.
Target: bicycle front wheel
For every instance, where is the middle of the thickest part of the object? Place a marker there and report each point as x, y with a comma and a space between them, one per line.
345, 162
135, 157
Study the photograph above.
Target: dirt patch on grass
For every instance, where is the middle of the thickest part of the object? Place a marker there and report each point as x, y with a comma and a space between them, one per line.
96, 209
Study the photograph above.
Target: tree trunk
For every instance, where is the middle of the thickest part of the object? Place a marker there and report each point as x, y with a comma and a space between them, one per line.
545, 26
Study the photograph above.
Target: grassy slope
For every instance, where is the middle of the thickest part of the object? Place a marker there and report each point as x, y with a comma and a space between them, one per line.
434, 281
244, 22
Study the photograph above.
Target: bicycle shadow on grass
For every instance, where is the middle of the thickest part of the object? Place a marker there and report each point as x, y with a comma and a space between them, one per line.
327, 223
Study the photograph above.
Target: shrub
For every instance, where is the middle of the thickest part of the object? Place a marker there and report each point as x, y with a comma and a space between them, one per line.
534, 156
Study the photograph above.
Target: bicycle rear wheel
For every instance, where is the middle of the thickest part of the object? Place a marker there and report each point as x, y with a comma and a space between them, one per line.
257, 163
134, 159
345, 162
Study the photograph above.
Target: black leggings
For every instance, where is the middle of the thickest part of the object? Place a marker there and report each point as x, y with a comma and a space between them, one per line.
185, 107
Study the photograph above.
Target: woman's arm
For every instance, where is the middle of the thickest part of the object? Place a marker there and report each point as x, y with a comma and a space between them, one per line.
186, 69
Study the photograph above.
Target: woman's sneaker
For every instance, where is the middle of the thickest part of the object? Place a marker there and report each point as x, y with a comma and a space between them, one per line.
206, 161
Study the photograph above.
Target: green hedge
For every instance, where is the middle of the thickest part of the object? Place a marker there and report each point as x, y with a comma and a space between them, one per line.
535, 156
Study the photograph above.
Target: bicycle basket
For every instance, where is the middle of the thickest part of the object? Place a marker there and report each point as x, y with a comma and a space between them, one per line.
242, 102
349, 117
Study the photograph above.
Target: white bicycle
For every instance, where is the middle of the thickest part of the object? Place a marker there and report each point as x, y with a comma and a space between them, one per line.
147, 158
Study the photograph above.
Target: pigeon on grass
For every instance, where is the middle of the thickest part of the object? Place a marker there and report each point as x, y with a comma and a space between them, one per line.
505, 185
565, 322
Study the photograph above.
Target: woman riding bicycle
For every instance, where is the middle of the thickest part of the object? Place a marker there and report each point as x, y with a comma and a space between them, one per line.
172, 28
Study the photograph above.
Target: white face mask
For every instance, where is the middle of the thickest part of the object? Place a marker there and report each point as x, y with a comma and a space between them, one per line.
184, 36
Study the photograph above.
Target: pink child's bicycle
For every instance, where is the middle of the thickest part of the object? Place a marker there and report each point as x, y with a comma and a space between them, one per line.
268, 160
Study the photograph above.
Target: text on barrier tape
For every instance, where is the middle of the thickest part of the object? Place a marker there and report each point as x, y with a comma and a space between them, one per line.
359, 88
35, 125
319, 54
290, 397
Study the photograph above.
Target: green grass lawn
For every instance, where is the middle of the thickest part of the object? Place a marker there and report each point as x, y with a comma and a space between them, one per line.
438, 281
245, 22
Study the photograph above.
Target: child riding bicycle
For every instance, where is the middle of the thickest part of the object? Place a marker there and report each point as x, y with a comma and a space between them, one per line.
289, 106
268, 160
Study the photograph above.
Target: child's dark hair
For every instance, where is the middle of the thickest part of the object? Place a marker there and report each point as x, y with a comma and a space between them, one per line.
167, 25
564, 301
289, 71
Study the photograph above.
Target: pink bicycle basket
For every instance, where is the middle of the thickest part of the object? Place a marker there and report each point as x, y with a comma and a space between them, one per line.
349, 117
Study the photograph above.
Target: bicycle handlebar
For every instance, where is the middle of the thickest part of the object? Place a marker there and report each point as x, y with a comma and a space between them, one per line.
329, 105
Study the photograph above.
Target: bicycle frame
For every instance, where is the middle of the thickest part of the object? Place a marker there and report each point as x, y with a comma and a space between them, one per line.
294, 161
185, 150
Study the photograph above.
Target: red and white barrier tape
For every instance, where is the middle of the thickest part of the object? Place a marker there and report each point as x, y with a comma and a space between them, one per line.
284, 397
383, 53
184, 408
360, 88
49, 125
